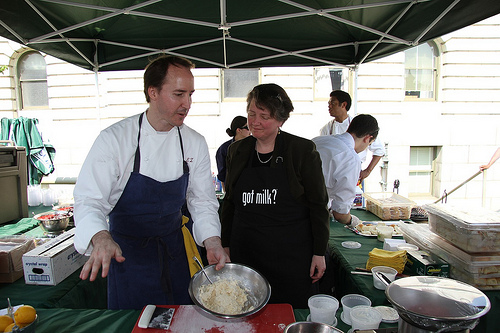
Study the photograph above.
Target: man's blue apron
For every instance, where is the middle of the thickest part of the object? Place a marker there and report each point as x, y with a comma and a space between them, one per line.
146, 223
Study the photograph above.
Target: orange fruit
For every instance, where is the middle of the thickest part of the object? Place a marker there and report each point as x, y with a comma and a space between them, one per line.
9, 328
22, 325
25, 315
4, 322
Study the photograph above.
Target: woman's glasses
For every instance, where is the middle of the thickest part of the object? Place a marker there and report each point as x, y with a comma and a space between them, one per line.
244, 127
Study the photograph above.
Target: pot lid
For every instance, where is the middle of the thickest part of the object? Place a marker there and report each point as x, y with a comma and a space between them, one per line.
437, 298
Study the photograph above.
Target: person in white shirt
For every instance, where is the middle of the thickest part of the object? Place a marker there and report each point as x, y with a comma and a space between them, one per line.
140, 174
341, 164
338, 105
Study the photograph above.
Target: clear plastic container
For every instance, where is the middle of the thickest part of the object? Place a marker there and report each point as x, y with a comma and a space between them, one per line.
470, 229
365, 318
389, 205
479, 270
349, 302
323, 308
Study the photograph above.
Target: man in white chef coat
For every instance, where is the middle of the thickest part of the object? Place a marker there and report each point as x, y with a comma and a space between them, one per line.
139, 174
338, 105
341, 164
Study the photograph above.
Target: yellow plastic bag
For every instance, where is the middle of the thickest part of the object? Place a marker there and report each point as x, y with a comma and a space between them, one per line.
191, 248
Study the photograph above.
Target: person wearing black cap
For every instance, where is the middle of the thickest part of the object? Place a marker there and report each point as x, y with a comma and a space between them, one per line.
238, 130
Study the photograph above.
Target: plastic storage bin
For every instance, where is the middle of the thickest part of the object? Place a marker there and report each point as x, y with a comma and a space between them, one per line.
479, 270
389, 205
472, 230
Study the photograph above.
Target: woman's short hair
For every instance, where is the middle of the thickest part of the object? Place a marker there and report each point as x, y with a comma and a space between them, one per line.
156, 71
273, 98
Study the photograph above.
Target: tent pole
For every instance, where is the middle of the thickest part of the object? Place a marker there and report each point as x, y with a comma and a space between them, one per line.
353, 88
224, 28
98, 95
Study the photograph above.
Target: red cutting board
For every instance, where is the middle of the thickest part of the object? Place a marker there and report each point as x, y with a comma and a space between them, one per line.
273, 318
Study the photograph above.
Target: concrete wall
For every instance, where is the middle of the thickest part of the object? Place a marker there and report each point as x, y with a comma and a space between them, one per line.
464, 118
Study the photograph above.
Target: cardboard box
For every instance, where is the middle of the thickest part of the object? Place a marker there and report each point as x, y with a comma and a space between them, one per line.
12, 249
425, 263
52, 262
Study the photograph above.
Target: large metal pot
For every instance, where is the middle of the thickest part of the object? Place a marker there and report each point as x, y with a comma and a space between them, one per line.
436, 304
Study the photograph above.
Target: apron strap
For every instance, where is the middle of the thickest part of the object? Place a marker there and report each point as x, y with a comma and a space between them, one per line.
164, 266
137, 160
185, 166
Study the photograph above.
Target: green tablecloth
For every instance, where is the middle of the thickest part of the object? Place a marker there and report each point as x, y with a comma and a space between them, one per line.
346, 260
72, 293
86, 321
20, 227
26, 226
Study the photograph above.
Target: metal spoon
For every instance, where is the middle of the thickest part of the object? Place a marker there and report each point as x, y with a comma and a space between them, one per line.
10, 310
202, 269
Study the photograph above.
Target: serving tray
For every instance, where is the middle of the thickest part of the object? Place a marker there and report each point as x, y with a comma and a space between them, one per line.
397, 232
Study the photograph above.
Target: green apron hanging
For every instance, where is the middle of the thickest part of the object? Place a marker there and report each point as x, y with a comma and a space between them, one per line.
24, 132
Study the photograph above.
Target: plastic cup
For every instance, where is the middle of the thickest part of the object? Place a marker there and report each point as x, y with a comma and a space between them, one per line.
349, 302
365, 317
384, 232
387, 271
34, 195
323, 308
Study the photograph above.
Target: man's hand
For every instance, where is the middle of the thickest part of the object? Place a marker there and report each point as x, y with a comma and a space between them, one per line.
215, 252
318, 268
342, 218
364, 174
354, 221
105, 248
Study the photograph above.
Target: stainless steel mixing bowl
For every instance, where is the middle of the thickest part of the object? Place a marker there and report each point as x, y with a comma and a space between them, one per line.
53, 221
310, 327
259, 290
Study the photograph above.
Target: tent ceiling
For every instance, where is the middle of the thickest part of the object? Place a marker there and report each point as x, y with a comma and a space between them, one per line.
109, 35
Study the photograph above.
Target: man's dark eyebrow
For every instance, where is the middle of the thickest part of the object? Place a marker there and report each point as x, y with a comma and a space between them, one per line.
183, 91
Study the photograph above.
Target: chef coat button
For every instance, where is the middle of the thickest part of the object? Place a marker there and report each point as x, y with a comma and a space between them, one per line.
146, 159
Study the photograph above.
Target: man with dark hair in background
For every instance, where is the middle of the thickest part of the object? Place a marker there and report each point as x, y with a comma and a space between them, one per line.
341, 164
338, 105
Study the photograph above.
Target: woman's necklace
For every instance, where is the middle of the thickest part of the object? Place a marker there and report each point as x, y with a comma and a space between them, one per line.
261, 161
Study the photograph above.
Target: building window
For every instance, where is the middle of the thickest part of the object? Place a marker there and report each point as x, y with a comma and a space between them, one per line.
327, 79
237, 83
422, 164
32, 80
420, 72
